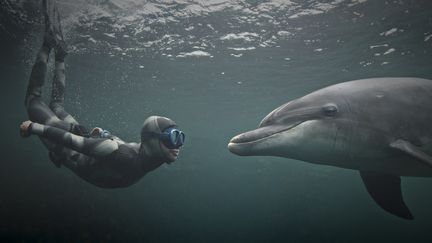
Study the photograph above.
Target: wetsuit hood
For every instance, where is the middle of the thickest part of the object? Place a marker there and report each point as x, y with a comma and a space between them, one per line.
150, 145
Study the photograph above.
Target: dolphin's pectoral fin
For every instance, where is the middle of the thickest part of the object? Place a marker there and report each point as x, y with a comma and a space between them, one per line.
412, 150
387, 193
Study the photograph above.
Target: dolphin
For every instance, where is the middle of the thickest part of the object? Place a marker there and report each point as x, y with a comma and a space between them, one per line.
381, 127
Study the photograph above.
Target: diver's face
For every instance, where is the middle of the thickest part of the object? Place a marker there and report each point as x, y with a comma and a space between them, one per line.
170, 154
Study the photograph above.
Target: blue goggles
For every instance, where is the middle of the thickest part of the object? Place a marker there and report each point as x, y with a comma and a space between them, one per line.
171, 137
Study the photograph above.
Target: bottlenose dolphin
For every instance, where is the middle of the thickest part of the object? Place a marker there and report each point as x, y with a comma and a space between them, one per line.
381, 127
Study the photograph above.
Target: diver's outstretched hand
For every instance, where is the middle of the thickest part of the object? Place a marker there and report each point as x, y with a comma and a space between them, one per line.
25, 129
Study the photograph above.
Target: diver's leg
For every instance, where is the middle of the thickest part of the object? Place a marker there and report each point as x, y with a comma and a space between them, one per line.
37, 110
37, 76
58, 83
57, 94
58, 87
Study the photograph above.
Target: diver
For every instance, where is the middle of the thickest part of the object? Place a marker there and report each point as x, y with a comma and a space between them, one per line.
98, 157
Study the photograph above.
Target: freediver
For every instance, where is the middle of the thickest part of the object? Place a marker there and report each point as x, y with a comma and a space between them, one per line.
98, 157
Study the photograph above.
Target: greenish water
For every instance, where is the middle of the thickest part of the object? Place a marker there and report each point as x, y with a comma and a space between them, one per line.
209, 194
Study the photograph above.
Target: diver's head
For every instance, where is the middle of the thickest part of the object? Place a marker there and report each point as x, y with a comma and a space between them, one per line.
160, 139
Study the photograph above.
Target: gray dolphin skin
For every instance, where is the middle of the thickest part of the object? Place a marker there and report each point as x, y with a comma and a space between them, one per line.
381, 127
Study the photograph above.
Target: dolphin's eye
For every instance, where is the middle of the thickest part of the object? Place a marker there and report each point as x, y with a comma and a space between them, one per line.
330, 110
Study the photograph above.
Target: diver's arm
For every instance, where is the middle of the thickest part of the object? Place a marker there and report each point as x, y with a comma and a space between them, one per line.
94, 147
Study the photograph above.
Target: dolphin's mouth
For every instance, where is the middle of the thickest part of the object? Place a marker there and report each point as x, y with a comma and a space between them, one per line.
260, 133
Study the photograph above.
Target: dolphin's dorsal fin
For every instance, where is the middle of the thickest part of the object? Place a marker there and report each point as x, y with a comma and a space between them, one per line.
387, 193
412, 150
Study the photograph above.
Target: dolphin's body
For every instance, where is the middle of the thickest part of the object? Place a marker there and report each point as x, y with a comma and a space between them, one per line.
379, 126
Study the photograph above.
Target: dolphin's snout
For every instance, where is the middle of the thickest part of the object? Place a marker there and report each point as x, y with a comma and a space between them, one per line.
257, 134
239, 144
243, 144
241, 149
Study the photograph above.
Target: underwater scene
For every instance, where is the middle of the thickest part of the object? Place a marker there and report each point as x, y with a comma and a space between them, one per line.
218, 68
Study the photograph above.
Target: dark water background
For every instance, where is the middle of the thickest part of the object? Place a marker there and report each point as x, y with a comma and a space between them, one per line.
208, 195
